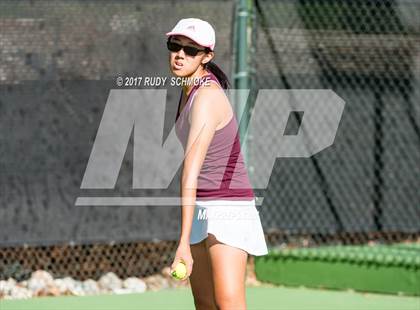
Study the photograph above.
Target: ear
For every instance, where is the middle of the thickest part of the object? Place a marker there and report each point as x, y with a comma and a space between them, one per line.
209, 56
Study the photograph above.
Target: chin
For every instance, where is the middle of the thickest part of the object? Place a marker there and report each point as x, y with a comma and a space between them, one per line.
179, 73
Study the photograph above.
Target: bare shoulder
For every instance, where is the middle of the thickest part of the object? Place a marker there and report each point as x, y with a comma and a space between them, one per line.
211, 91
210, 100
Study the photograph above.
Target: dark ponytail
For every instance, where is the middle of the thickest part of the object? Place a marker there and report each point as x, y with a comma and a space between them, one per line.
220, 75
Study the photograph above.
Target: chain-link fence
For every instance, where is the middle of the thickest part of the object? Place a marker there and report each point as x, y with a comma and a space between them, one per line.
58, 62
87, 261
364, 186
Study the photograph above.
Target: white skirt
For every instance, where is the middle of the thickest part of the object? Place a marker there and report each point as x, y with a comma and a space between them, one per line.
233, 222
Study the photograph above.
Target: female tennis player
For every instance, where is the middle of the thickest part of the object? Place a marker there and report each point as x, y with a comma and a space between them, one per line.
220, 223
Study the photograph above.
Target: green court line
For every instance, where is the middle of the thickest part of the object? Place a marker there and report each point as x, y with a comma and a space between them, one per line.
264, 298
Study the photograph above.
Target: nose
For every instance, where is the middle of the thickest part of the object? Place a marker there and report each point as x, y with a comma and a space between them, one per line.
180, 53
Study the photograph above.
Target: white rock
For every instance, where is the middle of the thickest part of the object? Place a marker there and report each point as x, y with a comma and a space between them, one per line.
135, 285
156, 282
90, 287
62, 285
18, 292
7, 286
42, 275
110, 281
120, 291
78, 289
68, 285
39, 280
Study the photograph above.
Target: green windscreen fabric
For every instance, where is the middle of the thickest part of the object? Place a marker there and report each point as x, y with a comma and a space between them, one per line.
393, 269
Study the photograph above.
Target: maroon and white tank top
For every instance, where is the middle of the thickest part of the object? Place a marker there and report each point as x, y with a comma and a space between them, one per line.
223, 174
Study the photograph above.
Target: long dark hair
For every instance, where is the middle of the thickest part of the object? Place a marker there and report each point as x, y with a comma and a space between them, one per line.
220, 75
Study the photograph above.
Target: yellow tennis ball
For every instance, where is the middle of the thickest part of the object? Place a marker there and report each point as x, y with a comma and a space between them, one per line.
180, 271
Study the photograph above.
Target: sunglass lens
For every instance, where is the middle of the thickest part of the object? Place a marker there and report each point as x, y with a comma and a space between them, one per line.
189, 50
173, 47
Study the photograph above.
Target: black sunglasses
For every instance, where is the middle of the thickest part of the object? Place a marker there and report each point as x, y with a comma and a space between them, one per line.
189, 50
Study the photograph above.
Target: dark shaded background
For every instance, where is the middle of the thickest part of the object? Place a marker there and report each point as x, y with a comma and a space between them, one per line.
59, 59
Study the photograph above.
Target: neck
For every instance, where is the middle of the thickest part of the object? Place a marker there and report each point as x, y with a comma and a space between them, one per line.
196, 75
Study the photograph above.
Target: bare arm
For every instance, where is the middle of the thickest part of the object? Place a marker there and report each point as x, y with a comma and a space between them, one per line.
204, 120
205, 115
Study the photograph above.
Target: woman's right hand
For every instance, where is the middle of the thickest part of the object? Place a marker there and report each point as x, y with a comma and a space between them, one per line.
183, 254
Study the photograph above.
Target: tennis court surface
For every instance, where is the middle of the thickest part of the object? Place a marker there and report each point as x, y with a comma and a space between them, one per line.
266, 298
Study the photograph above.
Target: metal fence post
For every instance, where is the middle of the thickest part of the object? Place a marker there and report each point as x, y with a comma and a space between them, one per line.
241, 75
